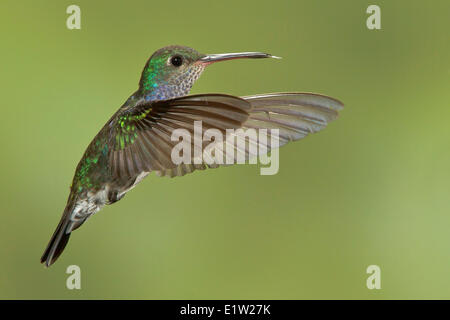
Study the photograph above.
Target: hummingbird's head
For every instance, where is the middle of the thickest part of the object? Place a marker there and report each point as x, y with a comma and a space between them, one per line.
171, 71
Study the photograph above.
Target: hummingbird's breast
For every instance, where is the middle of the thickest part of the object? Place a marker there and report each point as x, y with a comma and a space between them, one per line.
175, 86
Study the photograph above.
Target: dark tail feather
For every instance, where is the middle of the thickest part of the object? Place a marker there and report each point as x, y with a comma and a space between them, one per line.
57, 243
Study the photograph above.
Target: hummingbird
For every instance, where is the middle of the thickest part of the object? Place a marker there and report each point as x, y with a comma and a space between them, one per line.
136, 139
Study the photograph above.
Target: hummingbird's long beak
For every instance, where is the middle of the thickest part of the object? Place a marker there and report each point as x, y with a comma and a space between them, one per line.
211, 58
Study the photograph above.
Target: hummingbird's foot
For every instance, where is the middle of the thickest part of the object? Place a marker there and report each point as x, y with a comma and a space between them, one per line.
114, 196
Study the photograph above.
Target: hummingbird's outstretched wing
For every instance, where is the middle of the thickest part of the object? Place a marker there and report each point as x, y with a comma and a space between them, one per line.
142, 141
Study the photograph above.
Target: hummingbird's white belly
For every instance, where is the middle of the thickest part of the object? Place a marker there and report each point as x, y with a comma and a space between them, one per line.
88, 205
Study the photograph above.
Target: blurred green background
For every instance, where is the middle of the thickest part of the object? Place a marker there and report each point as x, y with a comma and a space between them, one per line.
372, 188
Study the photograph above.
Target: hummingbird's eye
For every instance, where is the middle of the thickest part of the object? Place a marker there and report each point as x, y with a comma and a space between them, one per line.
176, 61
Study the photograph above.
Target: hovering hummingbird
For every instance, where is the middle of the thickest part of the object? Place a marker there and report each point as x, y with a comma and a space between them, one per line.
136, 140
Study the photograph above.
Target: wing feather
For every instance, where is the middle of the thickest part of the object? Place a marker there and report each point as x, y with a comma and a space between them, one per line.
143, 142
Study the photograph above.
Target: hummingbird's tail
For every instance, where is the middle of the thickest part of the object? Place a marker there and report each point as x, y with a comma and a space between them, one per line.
58, 241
